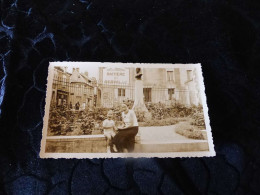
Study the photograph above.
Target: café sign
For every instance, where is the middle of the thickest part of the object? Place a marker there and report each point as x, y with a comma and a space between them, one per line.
116, 76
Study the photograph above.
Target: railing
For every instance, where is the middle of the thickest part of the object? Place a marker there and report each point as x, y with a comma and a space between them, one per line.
73, 95
80, 95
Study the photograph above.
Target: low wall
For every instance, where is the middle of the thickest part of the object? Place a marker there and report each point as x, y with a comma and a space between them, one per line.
76, 144
97, 144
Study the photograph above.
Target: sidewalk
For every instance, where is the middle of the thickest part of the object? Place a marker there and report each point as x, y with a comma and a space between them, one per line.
161, 134
161, 139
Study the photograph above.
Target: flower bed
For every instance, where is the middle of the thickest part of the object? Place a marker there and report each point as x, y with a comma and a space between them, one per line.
63, 121
198, 120
188, 131
160, 110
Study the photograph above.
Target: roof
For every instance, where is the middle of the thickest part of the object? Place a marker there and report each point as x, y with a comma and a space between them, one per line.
76, 77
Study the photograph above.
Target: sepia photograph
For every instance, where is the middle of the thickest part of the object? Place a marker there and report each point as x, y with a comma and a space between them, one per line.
96, 110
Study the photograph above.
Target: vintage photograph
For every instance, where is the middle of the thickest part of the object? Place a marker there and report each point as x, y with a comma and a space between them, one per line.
107, 110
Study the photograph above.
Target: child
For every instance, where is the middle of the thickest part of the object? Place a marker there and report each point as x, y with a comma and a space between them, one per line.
109, 131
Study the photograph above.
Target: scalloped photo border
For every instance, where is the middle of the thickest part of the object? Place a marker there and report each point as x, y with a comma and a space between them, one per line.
44, 154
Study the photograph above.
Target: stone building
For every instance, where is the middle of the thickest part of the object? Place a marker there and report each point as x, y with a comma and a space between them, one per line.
116, 85
165, 85
60, 87
81, 89
74, 87
171, 85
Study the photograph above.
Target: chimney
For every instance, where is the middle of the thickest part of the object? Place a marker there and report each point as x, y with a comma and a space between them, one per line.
86, 73
77, 69
73, 69
65, 69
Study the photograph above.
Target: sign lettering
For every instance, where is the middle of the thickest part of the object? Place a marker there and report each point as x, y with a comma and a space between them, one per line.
116, 76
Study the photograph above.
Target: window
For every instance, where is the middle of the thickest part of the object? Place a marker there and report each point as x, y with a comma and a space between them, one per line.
189, 75
147, 94
169, 75
170, 93
121, 92
63, 80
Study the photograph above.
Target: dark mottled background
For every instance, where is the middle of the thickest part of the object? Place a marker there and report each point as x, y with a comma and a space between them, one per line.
222, 35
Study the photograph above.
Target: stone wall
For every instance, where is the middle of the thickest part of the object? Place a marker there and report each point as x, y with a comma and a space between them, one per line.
97, 144
76, 144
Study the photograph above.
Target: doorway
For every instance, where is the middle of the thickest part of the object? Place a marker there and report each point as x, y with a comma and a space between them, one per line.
147, 94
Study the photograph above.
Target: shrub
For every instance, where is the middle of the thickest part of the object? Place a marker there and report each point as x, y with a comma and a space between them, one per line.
63, 121
129, 103
198, 119
140, 115
157, 110
188, 131
117, 112
181, 110
161, 111
87, 126
58, 119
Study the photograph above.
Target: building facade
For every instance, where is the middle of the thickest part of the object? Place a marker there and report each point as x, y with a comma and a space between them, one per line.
165, 85
81, 89
116, 85
60, 86
72, 88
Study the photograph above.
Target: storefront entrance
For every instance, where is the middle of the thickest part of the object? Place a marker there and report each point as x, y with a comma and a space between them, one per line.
62, 98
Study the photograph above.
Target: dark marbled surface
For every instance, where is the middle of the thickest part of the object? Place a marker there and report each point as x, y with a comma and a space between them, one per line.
222, 35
